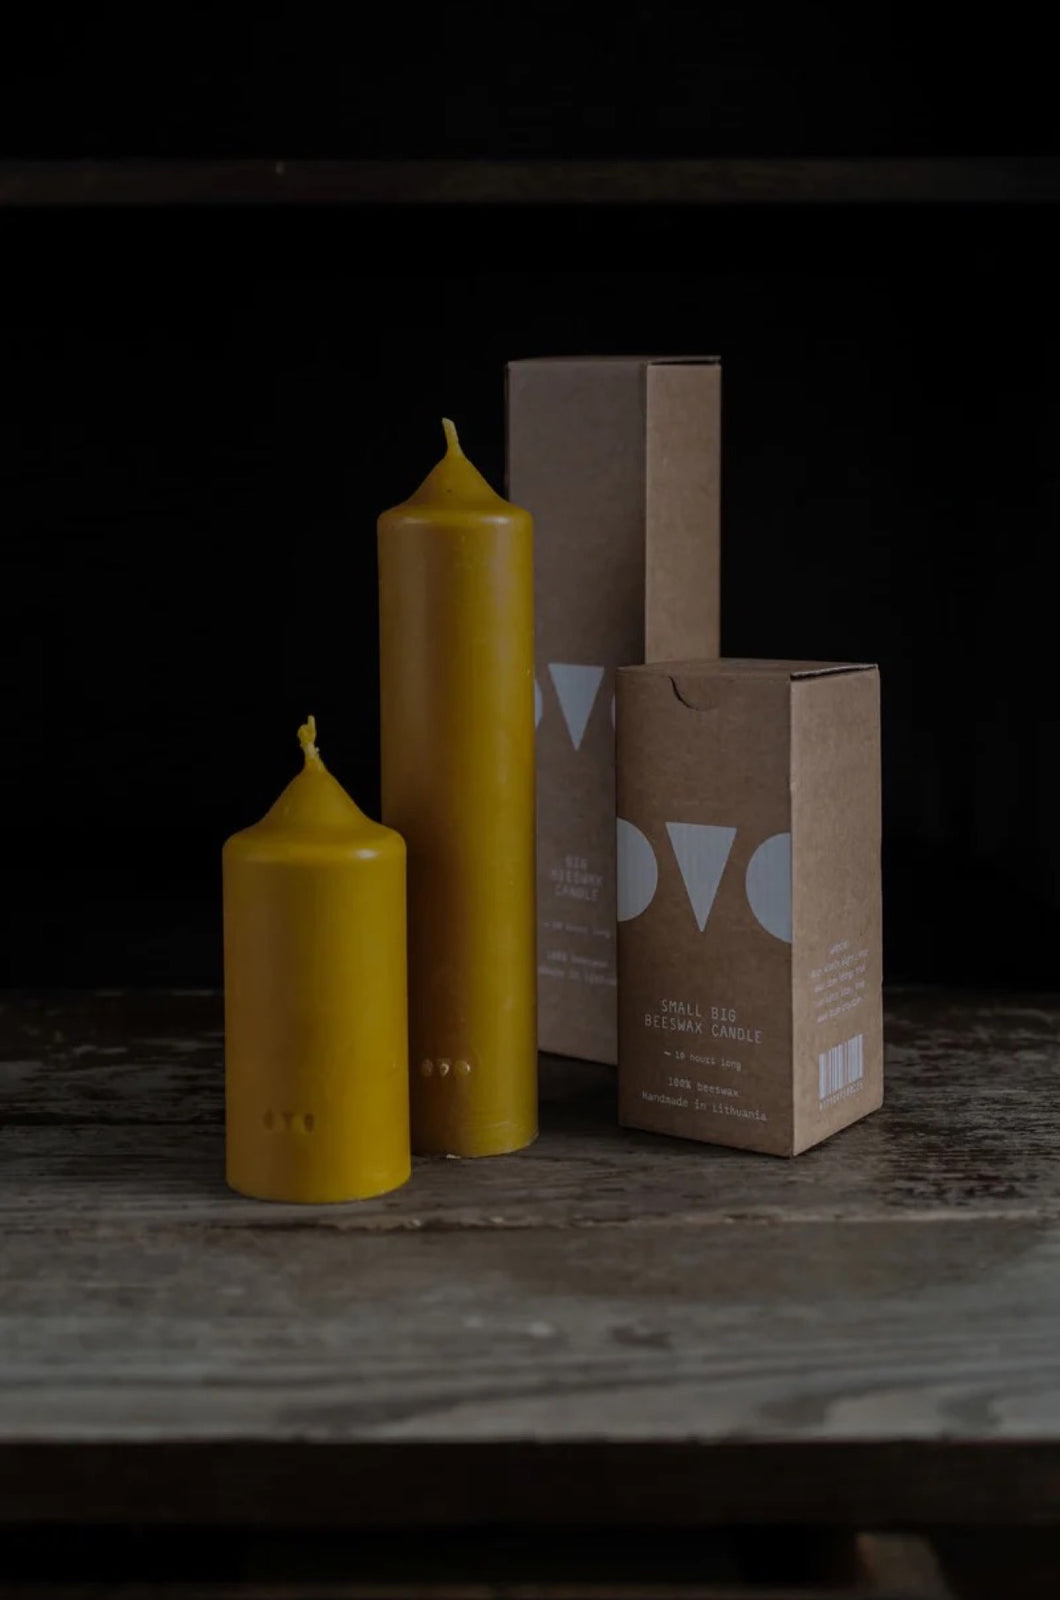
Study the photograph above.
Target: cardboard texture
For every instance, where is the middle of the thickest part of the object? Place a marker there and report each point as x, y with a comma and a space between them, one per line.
618, 459
749, 904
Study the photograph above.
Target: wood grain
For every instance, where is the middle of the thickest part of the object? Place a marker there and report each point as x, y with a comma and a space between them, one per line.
115, 1101
608, 1325
786, 181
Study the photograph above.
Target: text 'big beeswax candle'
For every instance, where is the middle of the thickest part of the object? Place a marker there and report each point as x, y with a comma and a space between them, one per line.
457, 700
316, 1043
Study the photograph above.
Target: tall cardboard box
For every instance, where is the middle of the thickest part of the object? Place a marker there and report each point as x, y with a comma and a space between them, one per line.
749, 946
618, 459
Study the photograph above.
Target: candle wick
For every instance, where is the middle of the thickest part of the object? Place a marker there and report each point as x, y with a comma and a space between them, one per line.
307, 738
451, 439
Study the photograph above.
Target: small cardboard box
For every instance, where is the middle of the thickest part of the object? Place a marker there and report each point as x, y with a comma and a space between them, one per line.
749, 935
618, 459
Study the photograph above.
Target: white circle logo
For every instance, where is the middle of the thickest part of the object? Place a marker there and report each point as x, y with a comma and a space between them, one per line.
769, 885
638, 871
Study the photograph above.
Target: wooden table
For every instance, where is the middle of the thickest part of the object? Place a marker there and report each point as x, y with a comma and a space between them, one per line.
608, 1329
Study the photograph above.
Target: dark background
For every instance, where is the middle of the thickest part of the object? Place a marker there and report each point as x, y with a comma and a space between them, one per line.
556, 78
205, 409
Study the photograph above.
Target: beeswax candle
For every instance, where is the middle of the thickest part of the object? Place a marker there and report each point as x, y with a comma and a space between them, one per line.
316, 1044
457, 703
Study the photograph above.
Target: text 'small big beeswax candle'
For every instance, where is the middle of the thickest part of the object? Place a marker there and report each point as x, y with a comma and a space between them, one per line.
316, 1041
457, 701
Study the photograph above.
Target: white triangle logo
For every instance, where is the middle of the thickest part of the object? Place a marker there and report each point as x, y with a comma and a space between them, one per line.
702, 851
576, 688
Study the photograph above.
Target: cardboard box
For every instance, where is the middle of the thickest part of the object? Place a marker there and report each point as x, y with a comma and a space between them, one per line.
618, 460
749, 939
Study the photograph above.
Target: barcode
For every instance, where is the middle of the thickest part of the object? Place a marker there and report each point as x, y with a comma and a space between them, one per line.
841, 1066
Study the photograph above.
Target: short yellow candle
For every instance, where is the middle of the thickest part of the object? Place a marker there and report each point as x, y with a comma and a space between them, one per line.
316, 1041
457, 698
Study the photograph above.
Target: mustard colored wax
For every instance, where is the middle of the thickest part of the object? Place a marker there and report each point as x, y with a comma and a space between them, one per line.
316, 1043
457, 714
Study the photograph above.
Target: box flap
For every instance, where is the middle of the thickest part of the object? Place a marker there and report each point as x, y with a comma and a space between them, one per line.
693, 680
821, 669
636, 360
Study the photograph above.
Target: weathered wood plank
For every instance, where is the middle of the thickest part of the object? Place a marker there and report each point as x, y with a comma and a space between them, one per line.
718, 181
670, 1309
111, 1107
809, 1331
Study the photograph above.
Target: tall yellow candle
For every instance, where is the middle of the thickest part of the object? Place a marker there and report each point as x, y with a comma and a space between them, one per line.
457, 701
316, 1042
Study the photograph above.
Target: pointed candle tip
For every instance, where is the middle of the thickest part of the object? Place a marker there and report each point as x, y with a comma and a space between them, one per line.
307, 738
452, 442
